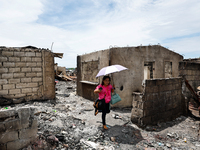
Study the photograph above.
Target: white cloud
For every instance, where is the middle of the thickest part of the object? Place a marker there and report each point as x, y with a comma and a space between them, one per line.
95, 25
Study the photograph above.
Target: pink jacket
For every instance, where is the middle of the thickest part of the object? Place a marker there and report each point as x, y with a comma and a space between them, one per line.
105, 93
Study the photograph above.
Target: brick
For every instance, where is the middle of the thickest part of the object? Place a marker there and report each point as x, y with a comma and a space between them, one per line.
2, 127
14, 59
18, 144
14, 69
8, 136
24, 85
31, 74
14, 91
1, 64
19, 75
25, 79
3, 70
8, 64
27, 90
27, 133
1, 87
2, 59
31, 64
39, 74
37, 59
36, 79
3, 81
7, 53
20, 64
3, 92
35, 89
8, 86
26, 69
25, 59
39, 64
37, 69
14, 81
38, 54
29, 53
18, 53
13, 125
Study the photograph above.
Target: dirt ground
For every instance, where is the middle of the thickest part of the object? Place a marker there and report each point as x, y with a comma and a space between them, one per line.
69, 123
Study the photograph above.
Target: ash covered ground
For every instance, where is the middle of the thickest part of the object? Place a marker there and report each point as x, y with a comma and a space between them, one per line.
68, 123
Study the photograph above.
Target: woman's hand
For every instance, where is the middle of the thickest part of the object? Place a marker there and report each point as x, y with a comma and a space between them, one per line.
98, 90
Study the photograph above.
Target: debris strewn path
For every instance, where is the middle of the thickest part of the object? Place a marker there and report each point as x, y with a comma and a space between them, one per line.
69, 123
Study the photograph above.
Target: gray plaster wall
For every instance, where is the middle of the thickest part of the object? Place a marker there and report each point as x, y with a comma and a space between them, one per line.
133, 58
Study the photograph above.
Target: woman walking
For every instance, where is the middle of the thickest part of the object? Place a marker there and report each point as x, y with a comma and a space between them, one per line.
104, 90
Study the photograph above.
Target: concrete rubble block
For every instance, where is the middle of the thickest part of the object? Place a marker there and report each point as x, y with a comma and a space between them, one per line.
7, 53
34, 124
18, 53
19, 75
18, 144
8, 86
14, 81
7, 75
8, 136
13, 125
26, 59
25, 69
2, 128
29, 53
28, 133
15, 91
31, 64
3, 70
3, 81
7, 113
24, 115
20, 64
14, 59
3, 59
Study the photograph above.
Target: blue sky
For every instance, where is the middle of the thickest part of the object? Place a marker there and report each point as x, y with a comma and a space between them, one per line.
82, 26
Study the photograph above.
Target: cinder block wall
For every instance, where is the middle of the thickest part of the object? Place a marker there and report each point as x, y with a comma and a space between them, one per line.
161, 101
191, 70
26, 74
18, 128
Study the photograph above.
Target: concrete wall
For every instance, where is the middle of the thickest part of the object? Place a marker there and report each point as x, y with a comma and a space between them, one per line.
18, 128
87, 68
26, 74
191, 70
161, 101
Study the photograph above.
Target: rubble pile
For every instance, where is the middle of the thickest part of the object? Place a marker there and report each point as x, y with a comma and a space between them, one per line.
69, 123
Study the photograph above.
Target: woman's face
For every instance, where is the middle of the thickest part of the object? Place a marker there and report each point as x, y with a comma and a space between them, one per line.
106, 81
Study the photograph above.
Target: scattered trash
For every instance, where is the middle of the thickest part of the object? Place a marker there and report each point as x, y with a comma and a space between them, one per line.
113, 139
168, 145
185, 140
173, 135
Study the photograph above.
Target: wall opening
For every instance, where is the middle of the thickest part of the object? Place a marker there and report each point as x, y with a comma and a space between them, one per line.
168, 69
148, 70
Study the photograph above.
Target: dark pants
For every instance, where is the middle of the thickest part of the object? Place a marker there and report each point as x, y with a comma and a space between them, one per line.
105, 110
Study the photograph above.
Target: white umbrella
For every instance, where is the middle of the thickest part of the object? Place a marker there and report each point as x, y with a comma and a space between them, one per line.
110, 69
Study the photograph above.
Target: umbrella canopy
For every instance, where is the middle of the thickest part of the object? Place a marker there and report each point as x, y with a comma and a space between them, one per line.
110, 69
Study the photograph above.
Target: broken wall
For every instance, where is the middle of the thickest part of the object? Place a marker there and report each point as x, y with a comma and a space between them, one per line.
26, 74
88, 67
135, 58
161, 101
18, 128
191, 71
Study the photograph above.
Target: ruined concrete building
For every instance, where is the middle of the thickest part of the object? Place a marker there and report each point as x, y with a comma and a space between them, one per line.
26, 73
150, 85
